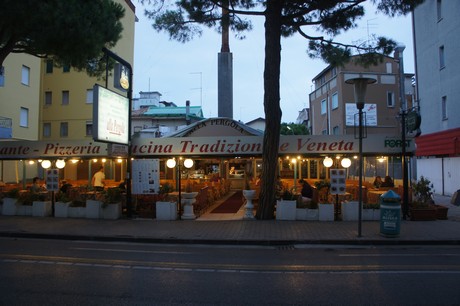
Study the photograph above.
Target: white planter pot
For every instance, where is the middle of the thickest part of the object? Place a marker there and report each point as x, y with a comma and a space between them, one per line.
166, 210
9, 206
249, 195
111, 211
188, 198
41, 208
350, 211
307, 214
76, 212
24, 210
286, 210
326, 212
93, 209
61, 209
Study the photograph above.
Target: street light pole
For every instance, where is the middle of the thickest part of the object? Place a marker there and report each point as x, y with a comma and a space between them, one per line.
129, 207
360, 85
400, 49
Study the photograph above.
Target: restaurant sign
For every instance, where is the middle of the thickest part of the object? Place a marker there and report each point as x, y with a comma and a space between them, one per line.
58, 149
252, 145
204, 146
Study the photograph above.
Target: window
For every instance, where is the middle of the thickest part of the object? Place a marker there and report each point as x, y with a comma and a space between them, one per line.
64, 131
65, 97
49, 66
441, 57
334, 71
444, 108
48, 98
66, 68
323, 107
89, 128
25, 75
24, 117
324, 132
335, 130
390, 99
389, 67
47, 129
439, 9
335, 100
2, 76
89, 96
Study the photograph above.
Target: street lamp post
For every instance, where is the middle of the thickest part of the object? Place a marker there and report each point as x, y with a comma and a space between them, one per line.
360, 84
399, 49
171, 163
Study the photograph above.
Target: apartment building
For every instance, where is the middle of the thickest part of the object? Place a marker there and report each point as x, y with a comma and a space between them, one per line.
333, 107
437, 41
66, 97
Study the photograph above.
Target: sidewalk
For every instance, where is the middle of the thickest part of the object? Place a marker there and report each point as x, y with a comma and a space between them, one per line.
236, 232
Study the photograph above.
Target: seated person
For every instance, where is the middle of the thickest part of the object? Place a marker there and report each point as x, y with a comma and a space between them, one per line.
378, 181
36, 185
306, 192
388, 182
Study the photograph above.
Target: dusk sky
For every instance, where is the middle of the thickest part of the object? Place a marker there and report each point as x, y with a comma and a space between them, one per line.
188, 71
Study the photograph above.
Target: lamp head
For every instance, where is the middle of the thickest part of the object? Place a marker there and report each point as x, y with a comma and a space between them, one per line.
360, 86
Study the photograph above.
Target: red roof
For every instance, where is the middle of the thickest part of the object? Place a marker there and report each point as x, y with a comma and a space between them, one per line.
439, 143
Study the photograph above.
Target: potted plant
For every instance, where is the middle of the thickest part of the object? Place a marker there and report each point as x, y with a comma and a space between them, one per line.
111, 204
41, 205
307, 211
77, 209
422, 208
326, 209
61, 207
10, 202
286, 206
25, 201
166, 209
371, 212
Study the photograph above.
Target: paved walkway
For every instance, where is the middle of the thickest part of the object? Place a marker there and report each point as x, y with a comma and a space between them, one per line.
205, 230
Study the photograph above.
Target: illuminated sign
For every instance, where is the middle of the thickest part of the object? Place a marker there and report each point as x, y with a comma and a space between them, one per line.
110, 116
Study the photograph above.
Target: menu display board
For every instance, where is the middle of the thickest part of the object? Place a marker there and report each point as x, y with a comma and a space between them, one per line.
338, 180
146, 176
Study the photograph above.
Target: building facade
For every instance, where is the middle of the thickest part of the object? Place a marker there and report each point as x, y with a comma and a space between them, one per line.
39, 101
19, 96
437, 41
332, 103
66, 98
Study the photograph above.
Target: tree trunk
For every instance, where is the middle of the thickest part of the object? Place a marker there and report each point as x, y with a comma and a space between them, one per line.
272, 109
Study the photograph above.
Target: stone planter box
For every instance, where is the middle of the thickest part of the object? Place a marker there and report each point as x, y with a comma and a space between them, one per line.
112, 211
371, 214
41, 208
350, 211
9, 207
307, 214
326, 212
423, 214
166, 210
286, 210
441, 212
76, 212
24, 210
93, 209
61, 209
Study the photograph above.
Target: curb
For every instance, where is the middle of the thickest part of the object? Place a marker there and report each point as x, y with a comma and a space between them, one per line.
133, 239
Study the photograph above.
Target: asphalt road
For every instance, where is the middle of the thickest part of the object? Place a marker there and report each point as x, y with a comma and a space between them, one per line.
55, 272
